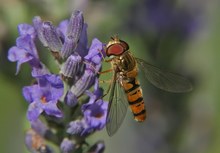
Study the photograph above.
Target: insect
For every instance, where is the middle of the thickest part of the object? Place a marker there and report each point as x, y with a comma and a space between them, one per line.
125, 89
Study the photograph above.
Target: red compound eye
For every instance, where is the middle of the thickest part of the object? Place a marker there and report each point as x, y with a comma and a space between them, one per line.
115, 49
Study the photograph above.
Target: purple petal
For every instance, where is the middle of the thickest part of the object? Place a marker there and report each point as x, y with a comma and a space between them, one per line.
55, 81
51, 108
82, 47
97, 90
39, 70
94, 54
19, 54
27, 43
56, 86
31, 93
95, 113
62, 28
26, 29
34, 111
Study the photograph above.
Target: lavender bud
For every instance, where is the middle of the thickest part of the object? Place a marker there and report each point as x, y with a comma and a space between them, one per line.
69, 47
67, 146
76, 127
70, 99
73, 33
37, 22
83, 83
72, 66
39, 127
98, 147
75, 25
51, 36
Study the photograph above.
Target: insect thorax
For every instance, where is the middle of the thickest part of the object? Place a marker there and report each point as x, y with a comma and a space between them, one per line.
126, 65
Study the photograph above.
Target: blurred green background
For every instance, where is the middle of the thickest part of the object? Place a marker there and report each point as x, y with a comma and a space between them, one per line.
181, 36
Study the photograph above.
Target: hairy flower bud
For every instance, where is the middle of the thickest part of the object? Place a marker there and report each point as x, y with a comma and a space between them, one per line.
51, 36
75, 24
71, 68
37, 23
67, 146
73, 32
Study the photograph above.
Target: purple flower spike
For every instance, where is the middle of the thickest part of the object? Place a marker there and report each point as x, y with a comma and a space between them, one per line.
51, 37
44, 97
55, 99
67, 146
95, 112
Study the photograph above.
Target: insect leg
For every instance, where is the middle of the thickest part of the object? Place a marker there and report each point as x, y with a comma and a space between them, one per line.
106, 71
93, 67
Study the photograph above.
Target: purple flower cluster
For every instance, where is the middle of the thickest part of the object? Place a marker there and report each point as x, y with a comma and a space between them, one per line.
56, 103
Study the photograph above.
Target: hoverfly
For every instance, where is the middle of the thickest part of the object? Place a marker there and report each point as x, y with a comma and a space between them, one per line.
125, 88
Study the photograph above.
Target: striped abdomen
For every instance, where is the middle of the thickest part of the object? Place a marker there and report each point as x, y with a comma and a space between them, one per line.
135, 98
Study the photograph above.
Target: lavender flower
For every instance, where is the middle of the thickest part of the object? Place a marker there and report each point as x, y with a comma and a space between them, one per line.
44, 96
95, 112
25, 51
56, 111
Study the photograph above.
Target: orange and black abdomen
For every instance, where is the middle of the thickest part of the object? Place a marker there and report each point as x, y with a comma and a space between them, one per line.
135, 98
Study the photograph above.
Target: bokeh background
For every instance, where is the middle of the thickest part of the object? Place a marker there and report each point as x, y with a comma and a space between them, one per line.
178, 35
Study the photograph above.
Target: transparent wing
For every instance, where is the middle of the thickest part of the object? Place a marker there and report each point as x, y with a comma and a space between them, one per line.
167, 81
117, 107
